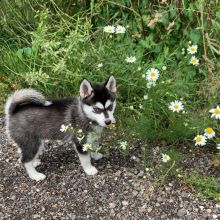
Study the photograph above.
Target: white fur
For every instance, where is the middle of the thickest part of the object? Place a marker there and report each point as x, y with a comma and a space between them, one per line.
32, 173
47, 103
36, 162
86, 164
99, 105
109, 102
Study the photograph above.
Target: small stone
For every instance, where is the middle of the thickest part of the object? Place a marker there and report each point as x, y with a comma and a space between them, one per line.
141, 173
124, 203
134, 193
112, 205
149, 209
209, 211
159, 199
201, 207
215, 216
184, 194
181, 212
118, 173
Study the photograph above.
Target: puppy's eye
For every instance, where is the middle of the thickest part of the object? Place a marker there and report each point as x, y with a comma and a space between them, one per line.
97, 110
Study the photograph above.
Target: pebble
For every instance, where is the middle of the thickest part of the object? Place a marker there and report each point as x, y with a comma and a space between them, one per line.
181, 212
125, 203
112, 205
115, 193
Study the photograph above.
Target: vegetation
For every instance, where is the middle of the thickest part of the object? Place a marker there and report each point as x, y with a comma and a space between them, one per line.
52, 45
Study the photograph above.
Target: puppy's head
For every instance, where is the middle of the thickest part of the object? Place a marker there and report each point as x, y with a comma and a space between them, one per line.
99, 101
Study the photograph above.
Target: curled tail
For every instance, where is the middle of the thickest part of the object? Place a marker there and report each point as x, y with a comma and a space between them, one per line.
24, 97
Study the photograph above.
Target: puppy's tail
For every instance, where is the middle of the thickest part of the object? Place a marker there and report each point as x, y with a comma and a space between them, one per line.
24, 97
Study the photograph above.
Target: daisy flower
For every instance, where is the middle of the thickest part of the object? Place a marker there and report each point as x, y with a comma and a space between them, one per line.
152, 74
130, 59
215, 112
141, 106
218, 146
192, 49
145, 97
176, 106
200, 140
109, 29
64, 128
87, 147
209, 133
151, 84
100, 65
165, 158
194, 61
164, 68
120, 29
123, 145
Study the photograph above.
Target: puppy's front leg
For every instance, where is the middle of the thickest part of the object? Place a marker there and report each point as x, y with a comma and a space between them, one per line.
85, 160
93, 139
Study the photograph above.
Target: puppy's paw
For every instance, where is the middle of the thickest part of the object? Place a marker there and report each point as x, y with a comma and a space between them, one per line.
91, 170
36, 162
96, 156
37, 176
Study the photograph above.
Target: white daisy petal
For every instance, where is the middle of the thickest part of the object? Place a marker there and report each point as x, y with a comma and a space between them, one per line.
165, 158
120, 29
192, 49
152, 74
109, 29
209, 133
176, 106
130, 59
215, 112
200, 140
194, 61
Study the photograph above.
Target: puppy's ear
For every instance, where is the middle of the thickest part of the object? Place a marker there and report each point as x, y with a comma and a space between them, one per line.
111, 84
85, 89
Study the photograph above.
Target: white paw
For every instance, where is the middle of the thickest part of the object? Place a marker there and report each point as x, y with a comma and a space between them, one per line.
90, 170
37, 176
96, 156
36, 162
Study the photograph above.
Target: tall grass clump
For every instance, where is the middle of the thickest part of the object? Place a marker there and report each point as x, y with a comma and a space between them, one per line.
52, 46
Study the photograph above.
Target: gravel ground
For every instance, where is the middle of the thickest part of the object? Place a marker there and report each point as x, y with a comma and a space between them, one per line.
119, 191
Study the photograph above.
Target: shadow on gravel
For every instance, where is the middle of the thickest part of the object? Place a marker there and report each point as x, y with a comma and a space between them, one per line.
63, 156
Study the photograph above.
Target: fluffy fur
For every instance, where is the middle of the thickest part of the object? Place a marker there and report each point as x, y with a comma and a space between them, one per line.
31, 118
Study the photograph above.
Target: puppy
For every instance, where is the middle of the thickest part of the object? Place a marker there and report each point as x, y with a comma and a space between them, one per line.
31, 118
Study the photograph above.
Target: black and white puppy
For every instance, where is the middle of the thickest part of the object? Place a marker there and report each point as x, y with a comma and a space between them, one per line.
31, 119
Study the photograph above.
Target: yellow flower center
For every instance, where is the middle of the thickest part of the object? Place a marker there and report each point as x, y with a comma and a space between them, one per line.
194, 61
193, 49
217, 111
176, 106
209, 130
152, 74
199, 139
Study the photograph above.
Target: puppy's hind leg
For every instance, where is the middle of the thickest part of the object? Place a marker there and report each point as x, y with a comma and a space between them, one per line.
36, 160
30, 150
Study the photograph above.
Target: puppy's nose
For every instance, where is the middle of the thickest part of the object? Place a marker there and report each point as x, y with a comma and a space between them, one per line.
108, 122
